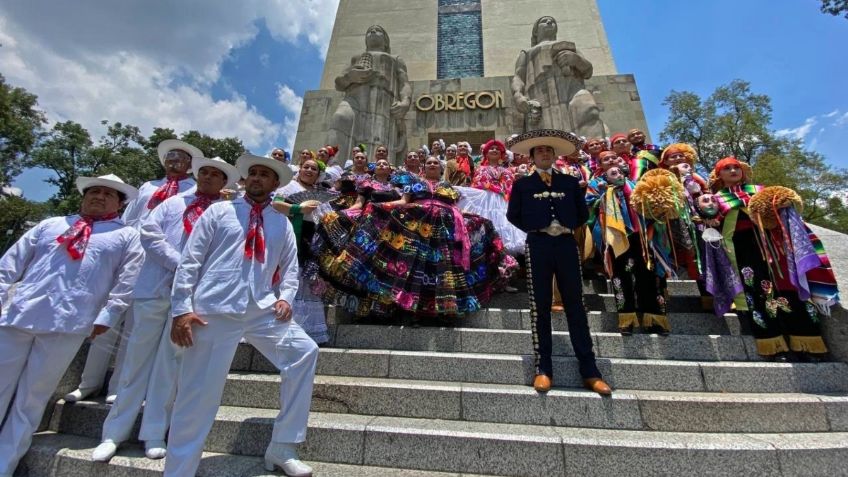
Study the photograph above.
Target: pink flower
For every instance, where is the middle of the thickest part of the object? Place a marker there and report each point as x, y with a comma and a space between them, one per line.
404, 299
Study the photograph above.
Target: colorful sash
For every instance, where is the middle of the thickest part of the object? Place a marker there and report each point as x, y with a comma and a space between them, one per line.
736, 197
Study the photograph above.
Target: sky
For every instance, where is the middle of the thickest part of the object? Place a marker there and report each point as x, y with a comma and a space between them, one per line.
242, 68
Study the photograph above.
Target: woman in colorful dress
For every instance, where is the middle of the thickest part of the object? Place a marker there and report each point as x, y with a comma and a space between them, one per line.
489, 194
616, 231
419, 254
785, 275
307, 309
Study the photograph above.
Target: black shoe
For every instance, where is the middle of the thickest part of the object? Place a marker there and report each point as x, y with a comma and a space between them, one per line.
782, 357
626, 330
804, 357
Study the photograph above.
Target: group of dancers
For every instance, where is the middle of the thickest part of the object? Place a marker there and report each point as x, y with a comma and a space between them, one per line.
255, 251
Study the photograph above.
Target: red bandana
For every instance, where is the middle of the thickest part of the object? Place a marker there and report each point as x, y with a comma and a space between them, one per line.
169, 189
463, 163
254, 246
77, 235
196, 208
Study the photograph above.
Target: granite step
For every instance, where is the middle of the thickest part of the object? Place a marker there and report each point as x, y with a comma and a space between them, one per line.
641, 374
62, 455
694, 323
496, 341
513, 449
516, 404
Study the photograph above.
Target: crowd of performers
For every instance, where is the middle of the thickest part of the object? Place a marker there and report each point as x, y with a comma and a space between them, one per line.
198, 263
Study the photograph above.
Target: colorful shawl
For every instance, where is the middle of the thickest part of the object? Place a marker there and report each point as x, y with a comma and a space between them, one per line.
641, 163
735, 197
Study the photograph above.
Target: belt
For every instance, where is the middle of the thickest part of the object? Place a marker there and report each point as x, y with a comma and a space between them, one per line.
553, 231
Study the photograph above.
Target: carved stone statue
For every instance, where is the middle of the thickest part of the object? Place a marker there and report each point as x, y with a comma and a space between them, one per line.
549, 88
377, 96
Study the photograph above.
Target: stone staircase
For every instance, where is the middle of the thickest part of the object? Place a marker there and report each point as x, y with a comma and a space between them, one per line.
405, 401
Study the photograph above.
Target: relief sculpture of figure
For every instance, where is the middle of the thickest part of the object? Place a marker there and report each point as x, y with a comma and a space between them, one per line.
549, 88
377, 97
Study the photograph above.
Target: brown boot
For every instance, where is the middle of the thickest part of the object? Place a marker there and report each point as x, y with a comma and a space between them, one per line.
597, 385
542, 383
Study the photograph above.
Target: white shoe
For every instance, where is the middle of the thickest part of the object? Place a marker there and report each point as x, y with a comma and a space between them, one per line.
285, 457
155, 449
105, 451
79, 394
110, 399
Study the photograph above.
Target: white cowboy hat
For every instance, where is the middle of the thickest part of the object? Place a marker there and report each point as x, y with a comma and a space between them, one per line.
171, 144
228, 169
563, 142
109, 180
284, 172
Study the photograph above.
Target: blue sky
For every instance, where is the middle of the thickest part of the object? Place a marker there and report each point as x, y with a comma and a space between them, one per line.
242, 69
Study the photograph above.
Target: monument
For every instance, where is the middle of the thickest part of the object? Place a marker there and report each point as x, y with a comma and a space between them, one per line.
470, 70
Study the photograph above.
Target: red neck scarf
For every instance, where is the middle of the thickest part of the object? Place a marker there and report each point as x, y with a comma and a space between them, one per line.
463, 163
254, 245
169, 189
78, 234
196, 208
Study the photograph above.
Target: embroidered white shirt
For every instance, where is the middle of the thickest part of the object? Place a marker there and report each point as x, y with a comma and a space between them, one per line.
137, 210
58, 294
214, 277
163, 237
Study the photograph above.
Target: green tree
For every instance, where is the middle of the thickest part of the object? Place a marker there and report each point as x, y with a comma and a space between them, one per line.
18, 216
732, 121
65, 152
835, 7
20, 126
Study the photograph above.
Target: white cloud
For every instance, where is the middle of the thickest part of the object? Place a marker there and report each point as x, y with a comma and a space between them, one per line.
151, 63
292, 104
841, 120
831, 114
799, 132
265, 60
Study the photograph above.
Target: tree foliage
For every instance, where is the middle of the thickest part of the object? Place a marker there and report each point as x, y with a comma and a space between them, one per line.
20, 127
835, 7
733, 121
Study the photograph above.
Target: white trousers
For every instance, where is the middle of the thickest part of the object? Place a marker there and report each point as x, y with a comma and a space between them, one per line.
31, 366
149, 317
162, 389
100, 354
203, 374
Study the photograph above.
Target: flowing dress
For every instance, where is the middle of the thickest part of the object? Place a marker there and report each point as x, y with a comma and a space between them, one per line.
424, 257
488, 196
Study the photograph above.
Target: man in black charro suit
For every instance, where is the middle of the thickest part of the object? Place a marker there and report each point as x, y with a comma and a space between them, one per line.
549, 205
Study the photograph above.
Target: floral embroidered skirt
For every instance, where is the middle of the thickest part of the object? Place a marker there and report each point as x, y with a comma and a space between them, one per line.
410, 258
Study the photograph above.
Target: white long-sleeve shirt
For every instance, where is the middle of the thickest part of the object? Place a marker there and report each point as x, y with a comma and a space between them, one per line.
58, 294
163, 237
137, 210
214, 277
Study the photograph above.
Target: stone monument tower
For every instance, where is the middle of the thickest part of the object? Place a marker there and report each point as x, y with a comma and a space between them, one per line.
466, 69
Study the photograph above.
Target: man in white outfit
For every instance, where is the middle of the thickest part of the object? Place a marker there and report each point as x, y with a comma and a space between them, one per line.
150, 364
176, 157
232, 282
75, 275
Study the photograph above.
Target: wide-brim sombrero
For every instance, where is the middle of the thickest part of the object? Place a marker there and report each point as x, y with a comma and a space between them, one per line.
109, 180
233, 174
171, 144
245, 161
563, 142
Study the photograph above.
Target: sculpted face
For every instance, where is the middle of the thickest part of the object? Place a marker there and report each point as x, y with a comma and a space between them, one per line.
546, 29
707, 205
375, 39
100, 200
